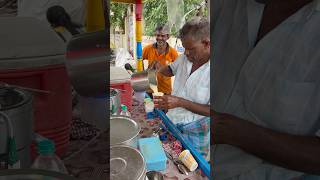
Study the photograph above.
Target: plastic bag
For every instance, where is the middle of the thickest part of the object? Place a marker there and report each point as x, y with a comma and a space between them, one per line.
123, 57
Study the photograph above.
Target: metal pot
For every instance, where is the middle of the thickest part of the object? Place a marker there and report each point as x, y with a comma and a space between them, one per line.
124, 131
115, 103
87, 61
126, 163
16, 105
141, 81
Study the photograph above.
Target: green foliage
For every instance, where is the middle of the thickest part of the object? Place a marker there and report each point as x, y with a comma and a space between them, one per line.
154, 13
191, 4
119, 11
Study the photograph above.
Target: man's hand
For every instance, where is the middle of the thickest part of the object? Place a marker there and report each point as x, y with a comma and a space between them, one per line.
170, 102
164, 70
155, 65
166, 102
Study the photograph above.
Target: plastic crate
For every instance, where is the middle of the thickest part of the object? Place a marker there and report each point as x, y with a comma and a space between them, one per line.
125, 93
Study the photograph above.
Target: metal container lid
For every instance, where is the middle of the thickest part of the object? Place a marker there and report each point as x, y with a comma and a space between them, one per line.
122, 129
12, 98
126, 163
27, 42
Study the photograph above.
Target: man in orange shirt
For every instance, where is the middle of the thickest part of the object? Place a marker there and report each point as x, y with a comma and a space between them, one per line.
163, 53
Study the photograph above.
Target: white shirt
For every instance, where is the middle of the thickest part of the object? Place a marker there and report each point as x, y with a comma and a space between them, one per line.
194, 87
275, 84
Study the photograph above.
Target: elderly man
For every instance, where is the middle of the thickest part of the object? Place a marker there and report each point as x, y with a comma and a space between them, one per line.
266, 77
188, 105
162, 53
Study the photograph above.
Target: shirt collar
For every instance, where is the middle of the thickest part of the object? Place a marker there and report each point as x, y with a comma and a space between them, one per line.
203, 65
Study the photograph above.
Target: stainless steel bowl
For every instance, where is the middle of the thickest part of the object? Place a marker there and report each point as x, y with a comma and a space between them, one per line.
126, 163
141, 81
124, 131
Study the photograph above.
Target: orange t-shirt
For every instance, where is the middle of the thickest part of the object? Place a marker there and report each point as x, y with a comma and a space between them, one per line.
151, 54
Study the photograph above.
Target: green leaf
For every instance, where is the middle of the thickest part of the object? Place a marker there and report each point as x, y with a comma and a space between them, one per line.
154, 13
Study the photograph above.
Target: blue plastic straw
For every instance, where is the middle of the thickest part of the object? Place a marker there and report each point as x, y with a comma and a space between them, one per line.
203, 164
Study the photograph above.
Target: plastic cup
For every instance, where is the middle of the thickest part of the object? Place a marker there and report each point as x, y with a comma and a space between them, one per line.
149, 107
157, 94
188, 160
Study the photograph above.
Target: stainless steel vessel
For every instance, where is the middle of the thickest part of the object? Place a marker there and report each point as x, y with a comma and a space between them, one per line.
141, 81
126, 163
17, 105
88, 55
124, 131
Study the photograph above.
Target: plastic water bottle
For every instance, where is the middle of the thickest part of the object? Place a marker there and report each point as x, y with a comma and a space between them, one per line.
47, 159
124, 111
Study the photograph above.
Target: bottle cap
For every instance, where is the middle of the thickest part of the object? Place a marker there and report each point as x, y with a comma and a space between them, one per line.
46, 147
124, 107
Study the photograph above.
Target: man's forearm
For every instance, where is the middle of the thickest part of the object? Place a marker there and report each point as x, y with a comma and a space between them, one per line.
197, 108
299, 153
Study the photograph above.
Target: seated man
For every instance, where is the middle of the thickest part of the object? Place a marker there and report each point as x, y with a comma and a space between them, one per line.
188, 105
